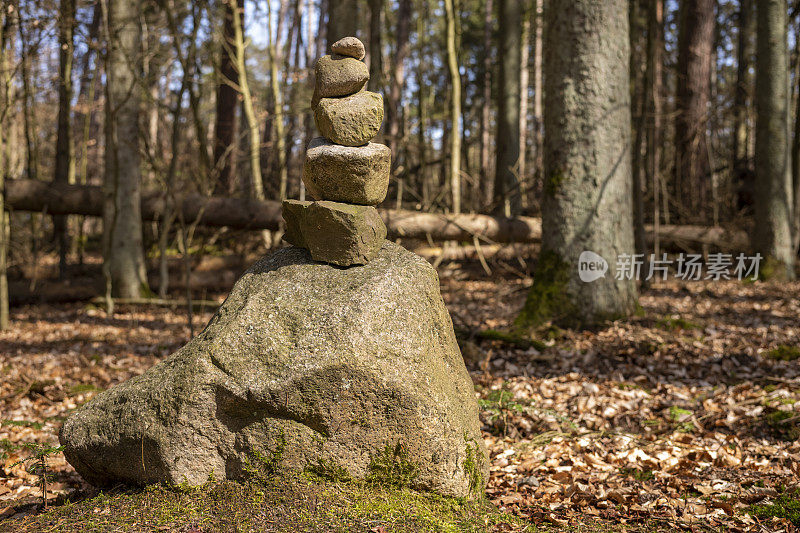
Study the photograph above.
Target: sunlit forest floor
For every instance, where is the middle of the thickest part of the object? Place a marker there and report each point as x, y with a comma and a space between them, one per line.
687, 416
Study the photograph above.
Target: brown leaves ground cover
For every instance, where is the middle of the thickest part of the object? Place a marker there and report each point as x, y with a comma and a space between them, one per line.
687, 416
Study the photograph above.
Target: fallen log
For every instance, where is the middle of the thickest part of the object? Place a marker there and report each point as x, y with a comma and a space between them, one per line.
247, 214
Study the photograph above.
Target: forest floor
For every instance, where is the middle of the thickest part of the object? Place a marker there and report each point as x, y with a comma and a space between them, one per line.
685, 417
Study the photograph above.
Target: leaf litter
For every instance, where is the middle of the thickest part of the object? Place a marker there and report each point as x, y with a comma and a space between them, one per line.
682, 416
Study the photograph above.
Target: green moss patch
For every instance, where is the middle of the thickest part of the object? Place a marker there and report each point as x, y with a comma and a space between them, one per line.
786, 506
784, 353
547, 300
297, 504
676, 324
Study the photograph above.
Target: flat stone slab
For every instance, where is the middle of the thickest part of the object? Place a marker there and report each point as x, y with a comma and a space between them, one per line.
350, 47
339, 76
336, 233
352, 120
354, 175
304, 366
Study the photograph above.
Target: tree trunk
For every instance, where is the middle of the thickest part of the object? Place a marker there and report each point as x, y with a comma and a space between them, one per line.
64, 164
488, 46
343, 20
655, 46
772, 235
639, 84
225, 126
695, 43
524, 77
537, 84
455, 108
396, 85
122, 222
376, 81
742, 173
506, 181
6, 88
249, 214
587, 198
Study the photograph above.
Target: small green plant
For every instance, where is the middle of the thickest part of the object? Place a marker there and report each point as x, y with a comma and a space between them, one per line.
261, 466
635, 473
783, 425
392, 467
22, 424
680, 418
499, 404
37, 464
787, 506
784, 352
328, 471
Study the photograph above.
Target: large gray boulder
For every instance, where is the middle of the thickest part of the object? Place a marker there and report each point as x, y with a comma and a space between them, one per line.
304, 367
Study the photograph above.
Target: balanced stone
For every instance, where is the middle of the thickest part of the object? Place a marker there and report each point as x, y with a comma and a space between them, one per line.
355, 175
350, 47
352, 120
337, 233
303, 365
293, 212
340, 76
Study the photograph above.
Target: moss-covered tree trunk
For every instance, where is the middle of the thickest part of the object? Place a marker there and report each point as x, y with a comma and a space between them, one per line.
587, 202
772, 235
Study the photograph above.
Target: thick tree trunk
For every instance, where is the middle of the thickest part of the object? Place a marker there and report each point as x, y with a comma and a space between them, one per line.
122, 222
226, 101
506, 181
455, 108
772, 235
587, 198
695, 43
64, 164
344, 20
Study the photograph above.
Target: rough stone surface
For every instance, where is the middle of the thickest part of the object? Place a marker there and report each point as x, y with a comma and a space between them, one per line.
293, 212
352, 120
339, 76
342, 234
308, 365
354, 175
350, 47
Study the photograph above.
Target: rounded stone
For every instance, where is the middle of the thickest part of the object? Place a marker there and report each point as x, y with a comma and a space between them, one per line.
304, 364
350, 121
354, 175
339, 76
350, 47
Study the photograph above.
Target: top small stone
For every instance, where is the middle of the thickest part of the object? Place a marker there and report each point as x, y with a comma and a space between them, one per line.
349, 47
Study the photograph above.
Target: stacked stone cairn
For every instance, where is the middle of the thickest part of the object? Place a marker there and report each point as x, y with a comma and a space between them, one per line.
345, 173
